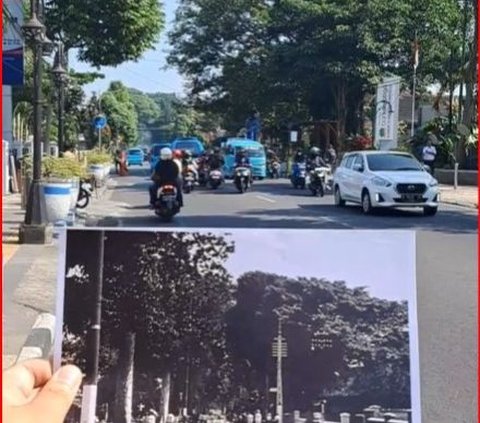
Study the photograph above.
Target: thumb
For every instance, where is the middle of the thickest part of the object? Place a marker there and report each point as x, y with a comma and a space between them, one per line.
57, 396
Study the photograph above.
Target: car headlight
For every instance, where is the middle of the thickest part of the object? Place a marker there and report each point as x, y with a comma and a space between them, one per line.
380, 182
433, 183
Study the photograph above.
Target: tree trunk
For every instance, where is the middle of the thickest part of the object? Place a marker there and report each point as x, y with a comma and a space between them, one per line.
122, 412
340, 93
165, 396
470, 109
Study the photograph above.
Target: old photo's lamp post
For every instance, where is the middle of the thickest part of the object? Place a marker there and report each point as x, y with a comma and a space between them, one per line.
60, 77
279, 349
89, 393
35, 229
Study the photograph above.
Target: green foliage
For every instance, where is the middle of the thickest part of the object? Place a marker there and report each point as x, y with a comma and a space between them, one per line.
106, 33
303, 60
56, 167
121, 115
95, 157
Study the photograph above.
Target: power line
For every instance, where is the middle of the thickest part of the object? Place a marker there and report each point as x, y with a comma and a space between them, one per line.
148, 78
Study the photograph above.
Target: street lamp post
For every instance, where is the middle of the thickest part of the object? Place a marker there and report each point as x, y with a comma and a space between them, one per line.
35, 230
60, 77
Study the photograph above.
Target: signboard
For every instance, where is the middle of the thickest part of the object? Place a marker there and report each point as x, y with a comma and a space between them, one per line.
293, 136
12, 57
100, 122
387, 112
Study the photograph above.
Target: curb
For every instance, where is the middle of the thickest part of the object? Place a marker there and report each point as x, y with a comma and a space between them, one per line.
40, 340
458, 204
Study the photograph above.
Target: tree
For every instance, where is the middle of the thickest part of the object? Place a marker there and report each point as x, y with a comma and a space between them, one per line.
105, 33
121, 115
369, 358
322, 57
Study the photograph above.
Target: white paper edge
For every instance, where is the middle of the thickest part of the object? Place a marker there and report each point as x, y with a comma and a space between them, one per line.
60, 299
415, 376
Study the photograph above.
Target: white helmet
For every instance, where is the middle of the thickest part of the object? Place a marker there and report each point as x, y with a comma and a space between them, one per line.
166, 154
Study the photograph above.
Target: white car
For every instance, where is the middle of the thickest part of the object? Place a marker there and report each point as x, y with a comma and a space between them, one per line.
385, 179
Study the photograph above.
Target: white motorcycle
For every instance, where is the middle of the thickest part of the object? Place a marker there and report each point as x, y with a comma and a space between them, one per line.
215, 179
242, 179
318, 180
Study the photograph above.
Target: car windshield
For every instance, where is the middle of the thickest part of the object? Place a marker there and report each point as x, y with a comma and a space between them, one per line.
392, 162
192, 146
252, 152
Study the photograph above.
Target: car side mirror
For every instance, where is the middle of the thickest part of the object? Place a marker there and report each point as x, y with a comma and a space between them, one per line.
358, 168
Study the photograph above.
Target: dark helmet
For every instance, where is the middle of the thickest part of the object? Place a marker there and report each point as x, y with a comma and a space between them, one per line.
216, 150
315, 152
187, 154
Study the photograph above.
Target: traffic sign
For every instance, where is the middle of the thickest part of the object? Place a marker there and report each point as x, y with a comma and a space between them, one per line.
100, 122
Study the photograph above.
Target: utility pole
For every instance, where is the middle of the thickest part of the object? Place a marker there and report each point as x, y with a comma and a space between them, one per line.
414, 90
89, 394
279, 352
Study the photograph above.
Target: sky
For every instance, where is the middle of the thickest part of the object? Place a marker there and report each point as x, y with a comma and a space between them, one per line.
146, 74
382, 261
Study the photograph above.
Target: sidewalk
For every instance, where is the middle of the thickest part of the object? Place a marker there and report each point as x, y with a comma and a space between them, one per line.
29, 281
466, 196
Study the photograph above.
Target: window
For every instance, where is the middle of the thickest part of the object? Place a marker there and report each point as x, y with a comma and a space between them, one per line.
392, 162
358, 162
349, 161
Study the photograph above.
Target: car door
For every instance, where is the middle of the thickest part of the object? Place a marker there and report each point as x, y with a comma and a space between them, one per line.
357, 177
346, 177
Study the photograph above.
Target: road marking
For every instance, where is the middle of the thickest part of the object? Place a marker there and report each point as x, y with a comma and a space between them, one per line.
268, 200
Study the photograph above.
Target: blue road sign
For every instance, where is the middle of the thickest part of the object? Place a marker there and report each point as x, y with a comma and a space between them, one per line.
100, 122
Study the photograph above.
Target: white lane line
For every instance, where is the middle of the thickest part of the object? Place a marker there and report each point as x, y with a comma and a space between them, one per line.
268, 200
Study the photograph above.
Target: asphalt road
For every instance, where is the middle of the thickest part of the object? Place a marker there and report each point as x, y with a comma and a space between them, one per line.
446, 268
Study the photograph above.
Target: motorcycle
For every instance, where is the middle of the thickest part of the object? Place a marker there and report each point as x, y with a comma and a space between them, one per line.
215, 179
188, 181
317, 180
299, 176
84, 195
274, 169
242, 179
167, 206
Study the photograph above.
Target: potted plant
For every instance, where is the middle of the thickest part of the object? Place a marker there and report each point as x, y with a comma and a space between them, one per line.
99, 164
61, 186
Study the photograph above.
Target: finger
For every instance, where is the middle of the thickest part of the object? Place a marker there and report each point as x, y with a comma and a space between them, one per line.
24, 377
58, 394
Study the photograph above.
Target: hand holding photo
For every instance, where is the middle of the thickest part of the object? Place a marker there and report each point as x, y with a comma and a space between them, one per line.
242, 326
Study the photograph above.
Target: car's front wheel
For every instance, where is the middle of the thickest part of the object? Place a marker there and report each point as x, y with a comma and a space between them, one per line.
366, 203
339, 201
430, 211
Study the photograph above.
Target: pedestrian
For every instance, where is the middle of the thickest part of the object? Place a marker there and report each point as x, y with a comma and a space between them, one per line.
429, 154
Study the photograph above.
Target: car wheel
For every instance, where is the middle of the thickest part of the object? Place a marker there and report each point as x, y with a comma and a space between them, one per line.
366, 203
430, 211
339, 201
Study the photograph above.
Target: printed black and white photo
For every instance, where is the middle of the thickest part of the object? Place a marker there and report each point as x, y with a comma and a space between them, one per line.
242, 326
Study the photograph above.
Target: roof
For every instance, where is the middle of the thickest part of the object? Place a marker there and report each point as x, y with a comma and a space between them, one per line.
241, 140
376, 152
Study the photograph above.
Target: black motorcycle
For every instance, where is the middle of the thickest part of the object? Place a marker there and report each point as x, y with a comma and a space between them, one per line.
242, 179
84, 194
317, 181
167, 205
188, 182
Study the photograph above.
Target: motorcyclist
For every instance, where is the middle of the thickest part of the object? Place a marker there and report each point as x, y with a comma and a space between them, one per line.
189, 164
177, 157
216, 160
242, 160
315, 159
166, 173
